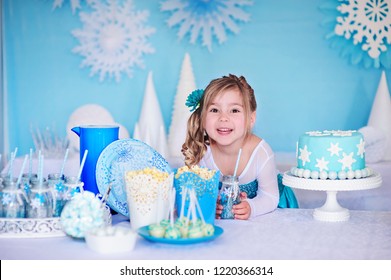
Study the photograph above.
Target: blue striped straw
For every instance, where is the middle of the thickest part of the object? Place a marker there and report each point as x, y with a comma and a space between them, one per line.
22, 169
63, 163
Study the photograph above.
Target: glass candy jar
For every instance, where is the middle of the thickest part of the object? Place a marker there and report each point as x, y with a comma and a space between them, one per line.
229, 195
40, 200
13, 200
58, 189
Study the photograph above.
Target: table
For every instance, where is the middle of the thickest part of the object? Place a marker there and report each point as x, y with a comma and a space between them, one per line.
283, 234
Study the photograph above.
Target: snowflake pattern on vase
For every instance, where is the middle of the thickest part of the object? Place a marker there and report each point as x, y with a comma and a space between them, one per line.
361, 30
204, 17
113, 39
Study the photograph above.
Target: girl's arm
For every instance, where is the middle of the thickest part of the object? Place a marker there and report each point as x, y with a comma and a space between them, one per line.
266, 173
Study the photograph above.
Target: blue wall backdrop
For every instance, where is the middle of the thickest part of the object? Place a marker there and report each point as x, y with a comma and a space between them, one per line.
301, 83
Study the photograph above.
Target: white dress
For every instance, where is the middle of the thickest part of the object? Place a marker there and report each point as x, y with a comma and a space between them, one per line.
258, 179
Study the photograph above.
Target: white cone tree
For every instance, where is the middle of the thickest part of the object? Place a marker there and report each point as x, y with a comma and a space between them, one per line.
150, 127
380, 116
181, 113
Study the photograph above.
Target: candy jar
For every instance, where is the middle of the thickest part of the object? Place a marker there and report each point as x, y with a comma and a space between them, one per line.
58, 189
13, 201
229, 195
40, 200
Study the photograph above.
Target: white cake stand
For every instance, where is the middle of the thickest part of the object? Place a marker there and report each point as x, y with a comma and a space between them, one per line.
331, 211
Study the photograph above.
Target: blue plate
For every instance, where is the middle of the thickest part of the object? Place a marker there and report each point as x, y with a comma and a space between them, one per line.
120, 156
143, 231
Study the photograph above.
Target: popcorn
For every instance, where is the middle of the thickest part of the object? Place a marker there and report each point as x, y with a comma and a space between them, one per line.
147, 194
203, 172
152, 173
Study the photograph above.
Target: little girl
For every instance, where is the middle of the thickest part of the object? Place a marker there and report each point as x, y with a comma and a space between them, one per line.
221, 124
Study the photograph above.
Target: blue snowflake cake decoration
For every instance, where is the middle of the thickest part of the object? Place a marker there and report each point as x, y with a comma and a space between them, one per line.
204, 18
360, 30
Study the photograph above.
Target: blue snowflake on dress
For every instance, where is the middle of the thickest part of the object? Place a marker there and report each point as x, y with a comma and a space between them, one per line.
113, 39
203, 17
361, 30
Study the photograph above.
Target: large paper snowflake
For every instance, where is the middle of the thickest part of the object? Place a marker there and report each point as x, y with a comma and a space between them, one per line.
113, 39
361, 29
75, 4
203, 17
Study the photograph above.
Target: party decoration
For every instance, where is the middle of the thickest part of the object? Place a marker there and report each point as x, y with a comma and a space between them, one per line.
75, 4
181, 113
203, 18
113, 39
380, 117
361, 29
150, 126
193, 100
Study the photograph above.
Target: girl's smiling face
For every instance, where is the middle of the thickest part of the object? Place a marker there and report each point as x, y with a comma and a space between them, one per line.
225, 120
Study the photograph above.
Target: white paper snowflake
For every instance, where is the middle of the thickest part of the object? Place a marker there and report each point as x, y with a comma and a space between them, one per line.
367, 22
205, 17
75, 4
113, 39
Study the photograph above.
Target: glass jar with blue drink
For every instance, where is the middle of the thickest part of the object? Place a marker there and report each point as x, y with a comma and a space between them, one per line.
58, 189
26, 182
13, 200
229, 195
40, 200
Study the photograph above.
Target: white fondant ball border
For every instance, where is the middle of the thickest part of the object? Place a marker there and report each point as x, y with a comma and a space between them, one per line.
331, 175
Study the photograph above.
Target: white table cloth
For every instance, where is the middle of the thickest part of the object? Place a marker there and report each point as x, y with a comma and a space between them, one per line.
282, 234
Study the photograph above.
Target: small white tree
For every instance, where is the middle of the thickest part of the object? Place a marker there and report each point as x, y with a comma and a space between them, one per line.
181, 113
150, 127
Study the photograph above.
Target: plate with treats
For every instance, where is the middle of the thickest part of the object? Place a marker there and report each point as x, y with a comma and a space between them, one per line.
117, 158
148, 235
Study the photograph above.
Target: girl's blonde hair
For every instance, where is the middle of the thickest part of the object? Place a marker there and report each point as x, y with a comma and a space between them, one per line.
197, 140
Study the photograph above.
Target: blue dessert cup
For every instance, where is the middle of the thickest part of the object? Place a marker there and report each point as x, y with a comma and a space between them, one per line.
206, 191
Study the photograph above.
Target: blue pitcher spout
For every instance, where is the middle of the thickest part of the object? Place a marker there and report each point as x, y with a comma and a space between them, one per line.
76, 130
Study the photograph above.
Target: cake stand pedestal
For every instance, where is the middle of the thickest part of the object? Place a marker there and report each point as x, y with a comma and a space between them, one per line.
332, 211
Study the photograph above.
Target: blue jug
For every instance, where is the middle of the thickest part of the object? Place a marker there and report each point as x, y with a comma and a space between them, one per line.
94, 138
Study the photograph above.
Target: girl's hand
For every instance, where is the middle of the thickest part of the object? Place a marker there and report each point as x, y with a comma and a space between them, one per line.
219, 208
242, 210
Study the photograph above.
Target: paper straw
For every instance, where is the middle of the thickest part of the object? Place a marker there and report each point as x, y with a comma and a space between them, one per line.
237, 161
22, 169
40, 170
39, 160
83, 161
63, 163
30, 163
13, 156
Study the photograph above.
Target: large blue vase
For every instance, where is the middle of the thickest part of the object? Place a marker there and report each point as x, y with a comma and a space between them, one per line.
94, 138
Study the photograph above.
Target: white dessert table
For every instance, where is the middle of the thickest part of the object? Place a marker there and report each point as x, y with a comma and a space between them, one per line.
285, 234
